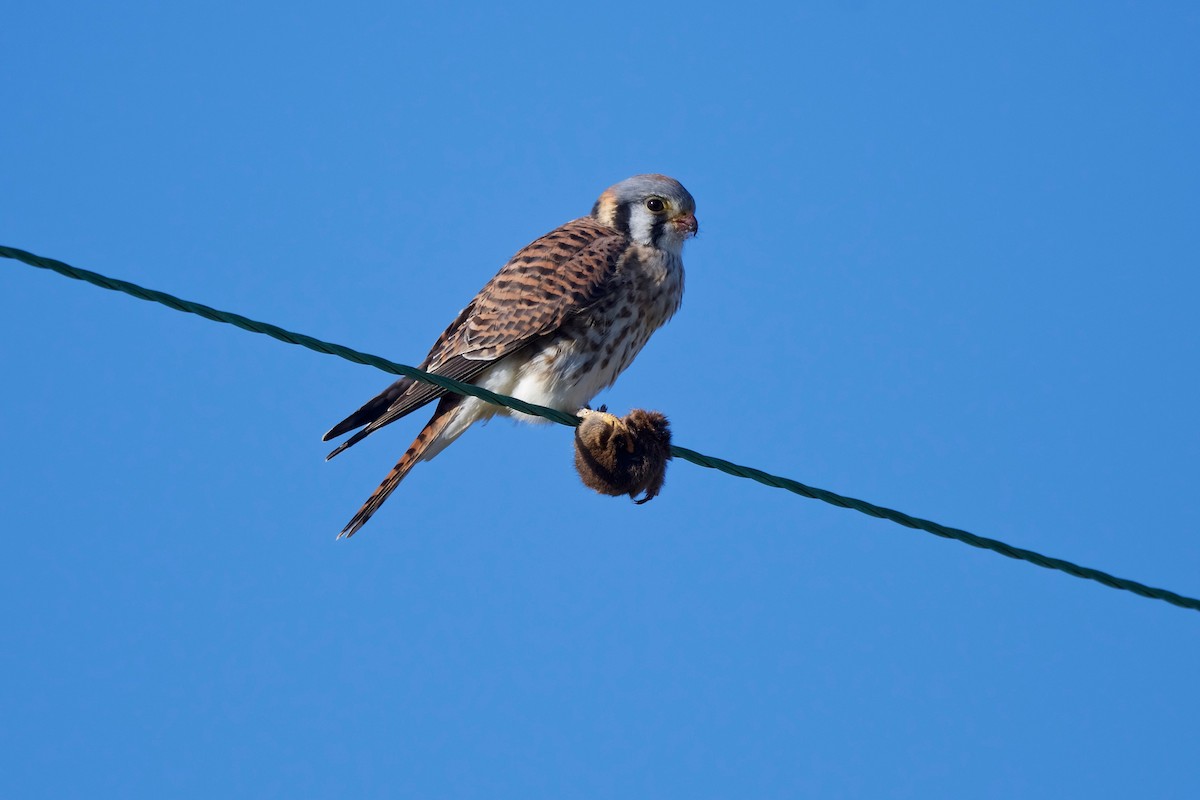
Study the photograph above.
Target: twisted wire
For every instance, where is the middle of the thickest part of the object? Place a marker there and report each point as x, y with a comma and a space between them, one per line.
711, 462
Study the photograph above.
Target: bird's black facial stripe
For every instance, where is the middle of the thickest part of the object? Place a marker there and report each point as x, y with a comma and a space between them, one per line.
596, 209
621, 220
657, 228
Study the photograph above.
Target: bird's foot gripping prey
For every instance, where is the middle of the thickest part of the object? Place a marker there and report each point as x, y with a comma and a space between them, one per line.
556, 325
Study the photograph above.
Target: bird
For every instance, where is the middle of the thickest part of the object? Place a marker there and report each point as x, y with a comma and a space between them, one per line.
555, 326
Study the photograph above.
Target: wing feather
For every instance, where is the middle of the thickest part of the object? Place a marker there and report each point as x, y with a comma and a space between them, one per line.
540, 287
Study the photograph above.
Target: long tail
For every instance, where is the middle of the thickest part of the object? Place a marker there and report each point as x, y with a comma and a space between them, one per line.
429, 435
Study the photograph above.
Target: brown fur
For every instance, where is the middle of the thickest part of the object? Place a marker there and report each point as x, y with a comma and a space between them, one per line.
623, 456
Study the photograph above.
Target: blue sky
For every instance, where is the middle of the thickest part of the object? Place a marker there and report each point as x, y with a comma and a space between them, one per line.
947, 264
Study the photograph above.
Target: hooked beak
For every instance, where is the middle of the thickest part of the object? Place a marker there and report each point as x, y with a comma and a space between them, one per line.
686, 224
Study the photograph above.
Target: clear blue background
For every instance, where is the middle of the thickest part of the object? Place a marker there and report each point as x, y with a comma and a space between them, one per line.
948, 263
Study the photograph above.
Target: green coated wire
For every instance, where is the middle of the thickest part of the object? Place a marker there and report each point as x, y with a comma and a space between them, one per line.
699, 459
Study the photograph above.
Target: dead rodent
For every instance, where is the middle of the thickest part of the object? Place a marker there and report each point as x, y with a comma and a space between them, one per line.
617, 456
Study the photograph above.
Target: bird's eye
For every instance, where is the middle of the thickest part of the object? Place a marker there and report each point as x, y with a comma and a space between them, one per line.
656, 205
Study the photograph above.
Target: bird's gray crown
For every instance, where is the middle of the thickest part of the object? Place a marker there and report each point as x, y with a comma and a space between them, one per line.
637, 189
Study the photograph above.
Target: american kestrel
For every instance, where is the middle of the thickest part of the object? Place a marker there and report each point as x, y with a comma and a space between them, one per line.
559, 322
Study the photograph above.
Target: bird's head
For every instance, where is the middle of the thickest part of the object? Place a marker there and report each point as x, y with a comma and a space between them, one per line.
650, 209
